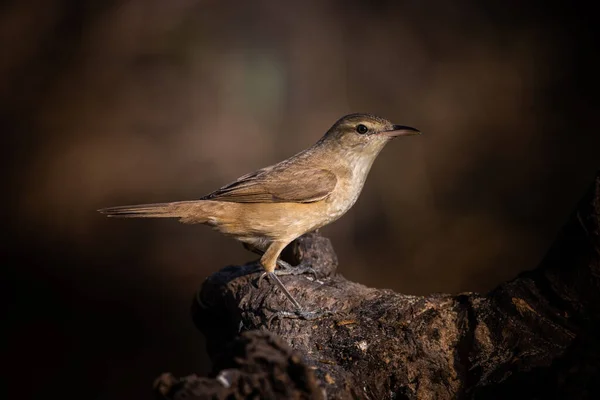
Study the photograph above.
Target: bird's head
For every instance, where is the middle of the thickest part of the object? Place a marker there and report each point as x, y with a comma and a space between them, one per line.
365, 134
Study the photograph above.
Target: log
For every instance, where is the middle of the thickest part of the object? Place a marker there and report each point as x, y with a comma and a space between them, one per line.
534, 337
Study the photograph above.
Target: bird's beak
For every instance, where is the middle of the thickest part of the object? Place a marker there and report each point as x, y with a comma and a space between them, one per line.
399, 130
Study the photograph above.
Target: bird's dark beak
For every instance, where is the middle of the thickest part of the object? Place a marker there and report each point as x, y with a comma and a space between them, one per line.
399, 130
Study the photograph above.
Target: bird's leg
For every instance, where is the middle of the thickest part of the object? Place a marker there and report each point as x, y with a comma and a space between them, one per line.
284, 267
284, 289
299, 313
268, 261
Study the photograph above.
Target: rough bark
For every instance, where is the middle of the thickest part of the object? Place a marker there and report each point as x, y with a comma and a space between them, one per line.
535, 337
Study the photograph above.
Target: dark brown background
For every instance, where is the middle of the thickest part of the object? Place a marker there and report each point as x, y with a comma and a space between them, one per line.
110, 103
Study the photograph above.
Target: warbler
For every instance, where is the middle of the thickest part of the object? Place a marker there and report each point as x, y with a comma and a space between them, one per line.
269, 208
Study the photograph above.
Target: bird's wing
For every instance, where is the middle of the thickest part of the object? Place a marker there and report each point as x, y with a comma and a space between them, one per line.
278, 185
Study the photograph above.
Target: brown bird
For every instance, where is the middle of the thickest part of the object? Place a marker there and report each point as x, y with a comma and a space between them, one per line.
267, 209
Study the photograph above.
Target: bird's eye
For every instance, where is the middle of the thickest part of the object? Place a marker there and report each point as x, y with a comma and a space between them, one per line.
361, 129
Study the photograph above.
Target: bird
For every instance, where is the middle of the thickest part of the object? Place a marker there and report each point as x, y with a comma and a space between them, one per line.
268, 209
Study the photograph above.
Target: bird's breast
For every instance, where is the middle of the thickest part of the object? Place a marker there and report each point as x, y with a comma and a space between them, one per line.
346, 193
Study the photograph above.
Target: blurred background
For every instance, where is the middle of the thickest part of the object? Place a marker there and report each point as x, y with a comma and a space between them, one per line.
108, 103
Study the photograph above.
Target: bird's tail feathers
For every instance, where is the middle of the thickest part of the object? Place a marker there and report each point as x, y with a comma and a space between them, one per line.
179, 209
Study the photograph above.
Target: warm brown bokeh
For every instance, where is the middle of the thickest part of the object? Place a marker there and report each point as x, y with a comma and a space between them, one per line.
112, 103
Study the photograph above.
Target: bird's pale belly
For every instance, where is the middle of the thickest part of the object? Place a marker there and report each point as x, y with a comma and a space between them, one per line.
262, 223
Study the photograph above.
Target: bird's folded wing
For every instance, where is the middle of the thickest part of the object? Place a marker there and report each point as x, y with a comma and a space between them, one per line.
278, 186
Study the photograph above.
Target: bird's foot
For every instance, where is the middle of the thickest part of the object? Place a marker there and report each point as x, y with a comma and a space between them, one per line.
281, 286
287, 269
300, 269
261, 277
300, 314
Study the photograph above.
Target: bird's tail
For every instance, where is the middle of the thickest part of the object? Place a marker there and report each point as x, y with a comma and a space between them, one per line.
179, 209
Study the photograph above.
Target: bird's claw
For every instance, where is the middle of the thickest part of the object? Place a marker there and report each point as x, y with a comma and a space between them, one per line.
260, 278
300, 314
300, 269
